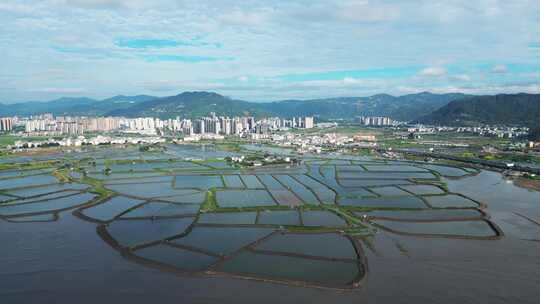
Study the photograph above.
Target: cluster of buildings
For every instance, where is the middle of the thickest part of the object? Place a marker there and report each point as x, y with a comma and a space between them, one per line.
83, 141
315, 143
6, 124
495, 131
488, 131
375, 121
240, 125
48, 125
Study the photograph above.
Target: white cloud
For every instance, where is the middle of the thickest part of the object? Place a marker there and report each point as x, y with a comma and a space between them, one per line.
268, 39
104, 4
364, 11
462, 77
244, 18
499, 69
16, 8
433, 72
350, 80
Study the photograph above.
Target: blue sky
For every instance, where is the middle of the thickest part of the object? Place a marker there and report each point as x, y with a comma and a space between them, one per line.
267, 50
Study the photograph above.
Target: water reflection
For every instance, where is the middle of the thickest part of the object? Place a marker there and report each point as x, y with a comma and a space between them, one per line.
307, 226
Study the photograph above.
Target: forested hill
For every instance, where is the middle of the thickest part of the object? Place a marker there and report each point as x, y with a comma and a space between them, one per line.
196, 104
514, 109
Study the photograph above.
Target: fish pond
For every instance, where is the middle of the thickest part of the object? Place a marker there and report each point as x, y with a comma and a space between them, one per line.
126, 225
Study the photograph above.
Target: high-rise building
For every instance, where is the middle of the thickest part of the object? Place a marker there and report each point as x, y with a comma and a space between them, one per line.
308, 122
375, 121
6, 124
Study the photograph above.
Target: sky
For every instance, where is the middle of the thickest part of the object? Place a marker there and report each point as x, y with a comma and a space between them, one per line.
267, 50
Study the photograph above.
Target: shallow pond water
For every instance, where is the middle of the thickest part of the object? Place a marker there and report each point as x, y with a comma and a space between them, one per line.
228, 218
51, 205
322, 218
198, 181
325, 272
222, 240
279, 218
450, 201
244, 198
111, 208
335, 245
128, 233
251, 181
454, 228
385, 202
56, 257
182, 259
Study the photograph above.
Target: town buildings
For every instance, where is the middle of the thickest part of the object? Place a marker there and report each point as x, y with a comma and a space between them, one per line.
6, 124
48, 125
375, 121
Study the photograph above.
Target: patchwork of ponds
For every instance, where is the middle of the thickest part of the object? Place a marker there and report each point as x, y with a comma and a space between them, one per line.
161, 210
285, 197
198, 181
410, 202
447, 170
465, 229
244, 198
289, 218
129, 233
451, 201
27, 181
424, 215
222, 240
51, 205
228, 218
41, 190
293, 269
111, 208
233, 181
423, 189
147, 190
298, 225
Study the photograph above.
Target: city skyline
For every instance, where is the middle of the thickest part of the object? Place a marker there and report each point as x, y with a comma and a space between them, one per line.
262, 50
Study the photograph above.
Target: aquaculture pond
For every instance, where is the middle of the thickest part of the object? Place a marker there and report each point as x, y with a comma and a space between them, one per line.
183, 225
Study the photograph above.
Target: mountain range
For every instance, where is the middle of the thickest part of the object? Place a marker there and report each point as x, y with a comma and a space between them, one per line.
195, 104
437, 109
509, 109
512, 109
72, 106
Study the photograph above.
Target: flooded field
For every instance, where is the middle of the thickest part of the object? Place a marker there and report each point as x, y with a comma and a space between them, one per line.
169, 226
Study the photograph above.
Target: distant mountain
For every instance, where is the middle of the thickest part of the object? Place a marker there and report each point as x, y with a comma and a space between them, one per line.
57, 106
191, 105
516, 109
73, 106
196, 104
341, 107
128, 99
406, 107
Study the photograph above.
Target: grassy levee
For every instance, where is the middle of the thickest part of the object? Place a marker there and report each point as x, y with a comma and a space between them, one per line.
34, 165
210, 203
62, 175
97, 186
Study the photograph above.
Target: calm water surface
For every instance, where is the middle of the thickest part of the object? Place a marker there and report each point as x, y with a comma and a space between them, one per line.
67, 262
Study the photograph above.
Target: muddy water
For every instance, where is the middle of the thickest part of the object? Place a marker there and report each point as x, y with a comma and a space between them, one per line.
67, 262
